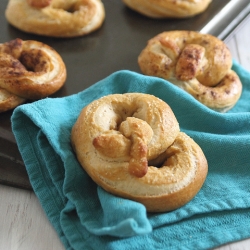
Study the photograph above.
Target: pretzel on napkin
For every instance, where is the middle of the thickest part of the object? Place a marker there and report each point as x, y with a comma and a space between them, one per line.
168, 8
198, 63
56, 18
131, 145
28, 70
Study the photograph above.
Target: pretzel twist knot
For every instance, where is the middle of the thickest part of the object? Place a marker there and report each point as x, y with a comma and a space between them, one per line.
56, 18
131, 145
198, 63
28, 70
168, 8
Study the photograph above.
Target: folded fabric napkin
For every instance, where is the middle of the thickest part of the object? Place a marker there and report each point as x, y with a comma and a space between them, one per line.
87, 217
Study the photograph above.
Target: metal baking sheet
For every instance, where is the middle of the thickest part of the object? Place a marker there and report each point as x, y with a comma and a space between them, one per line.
115, 46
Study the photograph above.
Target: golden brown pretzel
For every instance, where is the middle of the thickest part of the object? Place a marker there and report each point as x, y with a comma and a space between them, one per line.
56, 18
168, 8
198, 63
28, 70
131, 145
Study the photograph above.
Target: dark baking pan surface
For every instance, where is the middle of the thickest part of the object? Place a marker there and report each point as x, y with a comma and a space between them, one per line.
115, 46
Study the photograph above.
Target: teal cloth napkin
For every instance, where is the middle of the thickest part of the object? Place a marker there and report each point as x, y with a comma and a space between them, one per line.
87, 217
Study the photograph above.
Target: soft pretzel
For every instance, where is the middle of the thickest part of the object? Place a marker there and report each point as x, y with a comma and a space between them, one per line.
28, 70
131, 145
198, 63
168, 8
56, 18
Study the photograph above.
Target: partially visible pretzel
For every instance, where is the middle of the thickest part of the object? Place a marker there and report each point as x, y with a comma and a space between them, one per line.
9, 101
56, 18
198, 63
131, 145
28, 70
168, 8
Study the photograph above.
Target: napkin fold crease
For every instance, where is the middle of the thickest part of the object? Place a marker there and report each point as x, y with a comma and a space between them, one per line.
87, 217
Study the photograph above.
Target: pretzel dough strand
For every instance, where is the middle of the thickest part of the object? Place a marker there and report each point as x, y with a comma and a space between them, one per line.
140, 134
189, 63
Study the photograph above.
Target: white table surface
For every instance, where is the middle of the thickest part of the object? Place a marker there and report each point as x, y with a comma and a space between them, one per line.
23, 224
